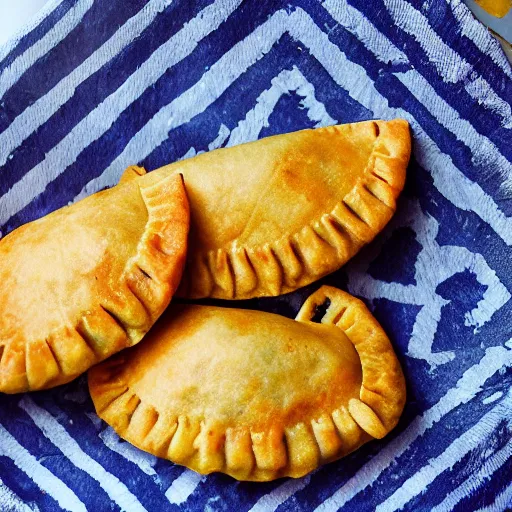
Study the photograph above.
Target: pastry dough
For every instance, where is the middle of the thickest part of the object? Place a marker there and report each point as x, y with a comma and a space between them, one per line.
255, 395
277, 214
88, 280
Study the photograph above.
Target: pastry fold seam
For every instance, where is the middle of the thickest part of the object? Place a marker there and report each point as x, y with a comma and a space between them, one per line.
116, 319
382, 395
321, 246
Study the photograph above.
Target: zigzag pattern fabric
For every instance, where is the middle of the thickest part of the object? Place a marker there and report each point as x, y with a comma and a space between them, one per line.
96, 85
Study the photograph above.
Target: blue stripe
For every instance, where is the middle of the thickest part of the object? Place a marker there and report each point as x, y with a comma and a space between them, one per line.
131, 120
21, 427
483, 119
487, 176
98, 155
333, 476
279, 120
153, 99
202, 129
234, 496
99, 24
441, 18
464, 469
486, 494
92, 91
86, 435
399, 95
458, 227
14, 478
30, 38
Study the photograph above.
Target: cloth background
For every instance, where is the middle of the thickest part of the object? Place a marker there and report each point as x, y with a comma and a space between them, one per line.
96, 85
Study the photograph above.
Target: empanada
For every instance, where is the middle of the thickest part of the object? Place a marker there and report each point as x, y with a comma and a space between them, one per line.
252, 394
88, 280
274, 215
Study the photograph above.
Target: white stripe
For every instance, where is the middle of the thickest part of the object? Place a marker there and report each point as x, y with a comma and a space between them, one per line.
467, 387
472, 29
145, 461
315, 110
97, 122
493, 397
41, 110
458, 188
479, 91
452, 183
43, 478
503, 501
57, 434
10, 501
271, 501
468, 441
484, 151
14, 40
477, 479
449, 64
220, 139
182, 109
181, 488
95, 420
256, 119
12, 73
196, 99
448, 261
287, 81
359, 25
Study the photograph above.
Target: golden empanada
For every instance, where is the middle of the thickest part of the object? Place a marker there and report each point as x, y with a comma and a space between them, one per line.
88, 280
255, 395
277, 214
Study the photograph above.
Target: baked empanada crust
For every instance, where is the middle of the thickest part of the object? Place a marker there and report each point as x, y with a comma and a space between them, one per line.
251, 394
274, 215
88, 280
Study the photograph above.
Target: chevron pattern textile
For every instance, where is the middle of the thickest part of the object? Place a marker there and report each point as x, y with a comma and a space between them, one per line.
96, 85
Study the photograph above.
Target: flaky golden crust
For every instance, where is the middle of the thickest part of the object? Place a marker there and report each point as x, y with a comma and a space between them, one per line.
251, 394
277, 214
88, 280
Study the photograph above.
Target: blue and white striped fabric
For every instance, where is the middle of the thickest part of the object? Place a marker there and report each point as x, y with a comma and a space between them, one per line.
96, 85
